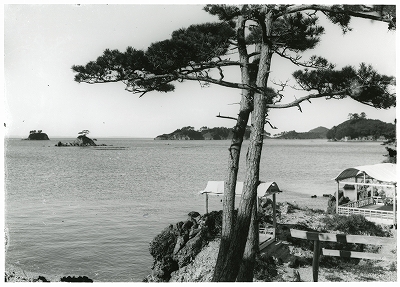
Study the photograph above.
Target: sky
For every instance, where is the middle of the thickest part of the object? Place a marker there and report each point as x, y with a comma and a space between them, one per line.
42, 42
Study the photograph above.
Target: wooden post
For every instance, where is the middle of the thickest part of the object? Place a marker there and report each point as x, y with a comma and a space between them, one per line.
356, 188
337, 198
315, 263
274, 215
331, 237
394, 208
206, 202
257, 204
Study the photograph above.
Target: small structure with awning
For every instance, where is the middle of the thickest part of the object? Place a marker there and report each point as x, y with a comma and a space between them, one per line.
374, 180
264, 189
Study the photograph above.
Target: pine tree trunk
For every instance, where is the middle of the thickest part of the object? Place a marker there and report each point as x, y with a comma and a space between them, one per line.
246, 271
246, 106
229, 190
230, 269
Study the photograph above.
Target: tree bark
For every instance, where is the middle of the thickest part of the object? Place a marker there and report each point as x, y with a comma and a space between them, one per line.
246, 271
229, 271
248, 77
234, 155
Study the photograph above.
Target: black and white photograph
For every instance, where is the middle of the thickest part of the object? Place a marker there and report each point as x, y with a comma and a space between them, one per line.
173, 142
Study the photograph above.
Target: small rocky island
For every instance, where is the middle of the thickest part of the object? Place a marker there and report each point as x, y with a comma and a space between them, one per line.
37, 135
81, 140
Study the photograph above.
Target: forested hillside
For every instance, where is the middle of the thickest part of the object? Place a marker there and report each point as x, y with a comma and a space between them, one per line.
317, 133
205, 133
361, 128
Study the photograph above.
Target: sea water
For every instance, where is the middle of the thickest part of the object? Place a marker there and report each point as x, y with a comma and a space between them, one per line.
93, 212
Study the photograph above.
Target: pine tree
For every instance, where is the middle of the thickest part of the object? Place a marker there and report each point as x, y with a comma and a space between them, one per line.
202, 53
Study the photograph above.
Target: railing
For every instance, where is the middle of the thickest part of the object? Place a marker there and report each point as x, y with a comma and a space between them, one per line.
343, 238
359, 203
382, 214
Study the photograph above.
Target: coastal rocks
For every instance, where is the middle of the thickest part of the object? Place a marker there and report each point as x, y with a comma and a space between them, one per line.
331, 209
12, 277
75, 279
177, 245
202, 267
191, 248
81, 140
14, 273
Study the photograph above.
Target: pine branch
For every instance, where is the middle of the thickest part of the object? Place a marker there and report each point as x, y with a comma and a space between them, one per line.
338, 10
225, 117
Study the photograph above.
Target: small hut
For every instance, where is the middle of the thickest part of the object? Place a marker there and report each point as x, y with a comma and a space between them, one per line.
264, 189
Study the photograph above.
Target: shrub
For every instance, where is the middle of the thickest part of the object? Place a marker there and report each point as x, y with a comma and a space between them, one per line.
265, 268
393, 266
354, 225
213, 221
163, 244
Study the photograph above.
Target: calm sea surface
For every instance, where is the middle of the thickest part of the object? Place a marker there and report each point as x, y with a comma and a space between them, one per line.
93, 212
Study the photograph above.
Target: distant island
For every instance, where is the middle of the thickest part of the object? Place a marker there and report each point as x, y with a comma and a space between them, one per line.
317, 133
205, 133
357, 128
37, 135
222, 133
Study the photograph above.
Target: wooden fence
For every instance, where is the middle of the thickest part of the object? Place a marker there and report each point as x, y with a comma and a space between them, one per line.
359, 203
342, 238
382, 214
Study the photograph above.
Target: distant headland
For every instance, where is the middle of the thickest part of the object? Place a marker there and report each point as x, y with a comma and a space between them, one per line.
205, 133
223, 133
357, 128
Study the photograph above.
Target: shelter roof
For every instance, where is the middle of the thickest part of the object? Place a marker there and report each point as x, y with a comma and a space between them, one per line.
264, 188
385, 172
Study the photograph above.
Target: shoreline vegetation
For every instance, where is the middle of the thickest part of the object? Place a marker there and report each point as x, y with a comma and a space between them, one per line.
287, 262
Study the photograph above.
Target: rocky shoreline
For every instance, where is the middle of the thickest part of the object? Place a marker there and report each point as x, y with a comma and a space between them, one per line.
287, 260
13, 273
187, 250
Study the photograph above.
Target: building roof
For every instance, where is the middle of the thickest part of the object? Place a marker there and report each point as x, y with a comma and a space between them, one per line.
385, 172
264, 188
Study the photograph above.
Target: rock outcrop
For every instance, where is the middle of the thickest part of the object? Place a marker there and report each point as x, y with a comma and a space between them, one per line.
33, 135
332, 202
81, 140
177, 245
16, 274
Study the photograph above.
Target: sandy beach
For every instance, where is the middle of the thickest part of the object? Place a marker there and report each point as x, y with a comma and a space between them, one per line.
303, 200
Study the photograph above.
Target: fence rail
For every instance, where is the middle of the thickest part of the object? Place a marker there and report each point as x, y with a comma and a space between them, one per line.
343, 238
382, 214
359, 203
